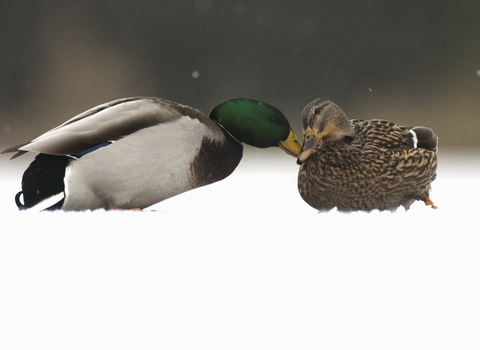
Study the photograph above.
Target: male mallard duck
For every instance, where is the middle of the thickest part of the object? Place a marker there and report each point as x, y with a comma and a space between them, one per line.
135, 152
363, 164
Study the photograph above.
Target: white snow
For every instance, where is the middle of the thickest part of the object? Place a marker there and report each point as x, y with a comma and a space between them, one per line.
244, 264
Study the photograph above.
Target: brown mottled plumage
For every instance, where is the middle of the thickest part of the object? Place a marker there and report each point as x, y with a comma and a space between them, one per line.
363, 164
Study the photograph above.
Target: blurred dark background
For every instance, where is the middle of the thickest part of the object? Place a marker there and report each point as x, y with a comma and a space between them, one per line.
413, 62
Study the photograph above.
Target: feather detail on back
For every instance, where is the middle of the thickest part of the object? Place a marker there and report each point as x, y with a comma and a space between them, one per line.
107, 122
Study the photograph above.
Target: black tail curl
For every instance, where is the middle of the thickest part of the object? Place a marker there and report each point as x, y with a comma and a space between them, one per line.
19, 204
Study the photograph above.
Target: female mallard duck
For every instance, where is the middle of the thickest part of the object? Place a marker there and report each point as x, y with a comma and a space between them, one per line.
363, 164
135, 152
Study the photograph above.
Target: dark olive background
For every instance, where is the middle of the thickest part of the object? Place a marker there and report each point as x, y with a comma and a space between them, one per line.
413, 62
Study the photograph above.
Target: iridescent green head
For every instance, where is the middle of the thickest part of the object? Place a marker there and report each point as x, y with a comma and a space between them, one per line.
257, 124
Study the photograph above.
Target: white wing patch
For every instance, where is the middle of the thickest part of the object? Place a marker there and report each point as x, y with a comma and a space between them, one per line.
414, 138
48, 202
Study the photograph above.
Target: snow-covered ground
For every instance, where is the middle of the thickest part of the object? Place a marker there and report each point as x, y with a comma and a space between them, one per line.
244, 264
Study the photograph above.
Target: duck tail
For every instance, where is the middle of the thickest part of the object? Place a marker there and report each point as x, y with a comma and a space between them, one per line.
42, 183
423, 137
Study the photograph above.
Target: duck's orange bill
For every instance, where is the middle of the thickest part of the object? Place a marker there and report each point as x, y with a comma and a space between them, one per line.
310, 142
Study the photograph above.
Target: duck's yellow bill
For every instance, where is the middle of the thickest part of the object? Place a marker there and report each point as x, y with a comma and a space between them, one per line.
291, 145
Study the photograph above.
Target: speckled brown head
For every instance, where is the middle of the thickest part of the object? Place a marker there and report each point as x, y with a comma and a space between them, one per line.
323, 121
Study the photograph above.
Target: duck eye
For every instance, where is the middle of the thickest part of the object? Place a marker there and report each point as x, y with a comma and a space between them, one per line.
317, 110
274, 120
